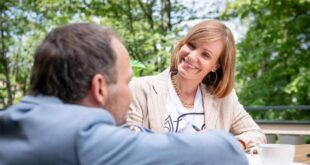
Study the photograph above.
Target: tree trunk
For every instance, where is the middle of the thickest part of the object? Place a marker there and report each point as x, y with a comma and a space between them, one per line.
6, 71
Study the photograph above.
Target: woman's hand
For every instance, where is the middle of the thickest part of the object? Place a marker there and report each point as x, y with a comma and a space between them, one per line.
242, 144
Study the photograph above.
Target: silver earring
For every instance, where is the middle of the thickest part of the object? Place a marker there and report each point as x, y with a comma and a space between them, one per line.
212, 77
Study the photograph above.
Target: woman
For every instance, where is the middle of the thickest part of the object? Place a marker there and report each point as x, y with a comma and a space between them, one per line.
196, 93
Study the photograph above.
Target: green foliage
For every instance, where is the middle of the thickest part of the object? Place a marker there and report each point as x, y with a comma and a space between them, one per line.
16, 42
137, 67
273, 58
149, 29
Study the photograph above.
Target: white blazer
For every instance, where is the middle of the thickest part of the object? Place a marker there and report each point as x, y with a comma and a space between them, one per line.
148, 109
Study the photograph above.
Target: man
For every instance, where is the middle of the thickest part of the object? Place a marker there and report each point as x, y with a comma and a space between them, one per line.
78, 94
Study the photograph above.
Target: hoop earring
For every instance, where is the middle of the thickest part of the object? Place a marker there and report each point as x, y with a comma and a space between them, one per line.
212, 75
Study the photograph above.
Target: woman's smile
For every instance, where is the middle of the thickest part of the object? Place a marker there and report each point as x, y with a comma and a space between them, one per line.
187, 66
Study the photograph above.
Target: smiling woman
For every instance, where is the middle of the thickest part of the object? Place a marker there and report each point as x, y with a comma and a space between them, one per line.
196, 93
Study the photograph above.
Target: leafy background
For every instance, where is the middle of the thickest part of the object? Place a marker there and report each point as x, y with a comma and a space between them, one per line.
273, 66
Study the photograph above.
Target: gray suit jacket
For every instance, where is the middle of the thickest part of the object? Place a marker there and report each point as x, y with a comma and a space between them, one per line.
43, 131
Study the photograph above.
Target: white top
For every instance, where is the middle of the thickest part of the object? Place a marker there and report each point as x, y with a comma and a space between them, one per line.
180, 119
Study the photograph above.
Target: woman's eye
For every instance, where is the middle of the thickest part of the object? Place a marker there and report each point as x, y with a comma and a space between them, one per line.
191, 46
205, 54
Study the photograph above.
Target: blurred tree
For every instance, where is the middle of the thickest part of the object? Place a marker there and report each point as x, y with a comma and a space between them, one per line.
272, 68
273, 57
149, 28
273, 65
23, 24
17, 21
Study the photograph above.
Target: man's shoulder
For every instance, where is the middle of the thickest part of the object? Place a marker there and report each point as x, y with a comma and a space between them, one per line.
80, 115
50, 109
56, 126
82, 112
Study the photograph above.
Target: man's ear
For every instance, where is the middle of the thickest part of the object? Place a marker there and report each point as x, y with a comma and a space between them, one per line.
99, 89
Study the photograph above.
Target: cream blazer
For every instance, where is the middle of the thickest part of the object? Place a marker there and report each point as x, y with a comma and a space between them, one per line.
148, 109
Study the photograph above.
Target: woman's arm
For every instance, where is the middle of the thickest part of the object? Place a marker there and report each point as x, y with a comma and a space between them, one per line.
244, 127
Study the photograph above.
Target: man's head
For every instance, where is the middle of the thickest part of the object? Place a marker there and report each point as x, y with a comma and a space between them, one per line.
83, 64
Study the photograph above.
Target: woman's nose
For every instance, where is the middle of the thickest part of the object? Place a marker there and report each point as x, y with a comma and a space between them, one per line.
191, 56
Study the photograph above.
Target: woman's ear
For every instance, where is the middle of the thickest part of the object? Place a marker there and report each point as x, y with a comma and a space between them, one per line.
99, 89
215, 67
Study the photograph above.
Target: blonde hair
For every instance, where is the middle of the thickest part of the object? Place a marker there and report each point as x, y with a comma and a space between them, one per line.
208, 31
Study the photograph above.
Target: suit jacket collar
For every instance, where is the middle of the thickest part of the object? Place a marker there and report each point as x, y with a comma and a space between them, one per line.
41, 99
44, 100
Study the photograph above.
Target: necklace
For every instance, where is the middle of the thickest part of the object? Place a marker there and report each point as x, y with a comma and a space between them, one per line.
177, 90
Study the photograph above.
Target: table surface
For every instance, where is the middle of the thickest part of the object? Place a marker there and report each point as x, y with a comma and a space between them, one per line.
300, 154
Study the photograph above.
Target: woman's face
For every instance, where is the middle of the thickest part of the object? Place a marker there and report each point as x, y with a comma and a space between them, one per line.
196, 60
